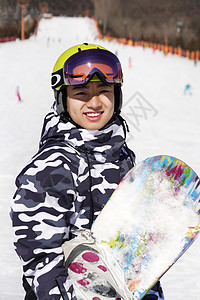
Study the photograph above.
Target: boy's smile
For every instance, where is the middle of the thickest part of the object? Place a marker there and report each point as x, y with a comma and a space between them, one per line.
91, 106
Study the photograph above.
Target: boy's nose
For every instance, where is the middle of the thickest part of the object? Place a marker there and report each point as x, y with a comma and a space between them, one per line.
94, 103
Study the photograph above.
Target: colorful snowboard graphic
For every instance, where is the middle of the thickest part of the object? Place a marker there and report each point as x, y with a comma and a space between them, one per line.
147, 224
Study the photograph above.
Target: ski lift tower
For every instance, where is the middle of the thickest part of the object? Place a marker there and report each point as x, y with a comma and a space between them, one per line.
23, 4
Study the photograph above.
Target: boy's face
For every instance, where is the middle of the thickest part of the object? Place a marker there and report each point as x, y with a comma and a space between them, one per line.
91, 106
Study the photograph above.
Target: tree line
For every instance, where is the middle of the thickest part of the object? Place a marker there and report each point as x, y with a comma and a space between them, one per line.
148, 20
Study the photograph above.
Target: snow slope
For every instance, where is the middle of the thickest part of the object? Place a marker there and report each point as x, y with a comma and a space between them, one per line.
161, 118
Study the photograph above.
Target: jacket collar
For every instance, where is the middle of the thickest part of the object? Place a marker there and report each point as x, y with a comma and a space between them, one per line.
104, 144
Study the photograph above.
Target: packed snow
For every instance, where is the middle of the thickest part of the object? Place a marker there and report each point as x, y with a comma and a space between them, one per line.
162, 115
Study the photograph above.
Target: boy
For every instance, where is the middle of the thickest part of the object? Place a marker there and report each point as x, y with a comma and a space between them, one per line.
82, 158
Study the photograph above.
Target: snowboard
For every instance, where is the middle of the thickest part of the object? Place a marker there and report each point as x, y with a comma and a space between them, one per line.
148, 223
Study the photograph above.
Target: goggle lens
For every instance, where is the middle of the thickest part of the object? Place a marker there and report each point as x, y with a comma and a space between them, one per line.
81, 67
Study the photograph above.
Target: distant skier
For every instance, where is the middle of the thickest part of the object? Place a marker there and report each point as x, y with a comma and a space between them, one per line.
187, 89
130, 63
18, 95
48, 41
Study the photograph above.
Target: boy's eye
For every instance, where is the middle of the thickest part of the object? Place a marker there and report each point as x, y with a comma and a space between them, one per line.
105, 91
80, 93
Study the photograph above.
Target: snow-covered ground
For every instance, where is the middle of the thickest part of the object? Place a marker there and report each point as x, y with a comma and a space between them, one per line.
162, 121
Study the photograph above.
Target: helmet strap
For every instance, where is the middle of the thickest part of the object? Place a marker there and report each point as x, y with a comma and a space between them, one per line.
61, 100
118, 98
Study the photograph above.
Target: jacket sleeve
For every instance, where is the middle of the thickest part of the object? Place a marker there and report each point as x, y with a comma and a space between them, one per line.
42, 207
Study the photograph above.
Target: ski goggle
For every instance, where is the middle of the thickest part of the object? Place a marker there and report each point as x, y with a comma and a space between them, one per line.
80, 68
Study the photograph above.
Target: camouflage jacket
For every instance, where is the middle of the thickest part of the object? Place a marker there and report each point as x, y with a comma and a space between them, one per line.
63, 188
72, 168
